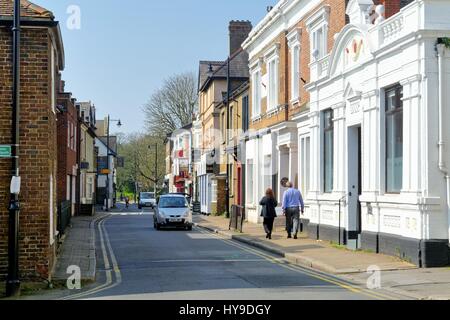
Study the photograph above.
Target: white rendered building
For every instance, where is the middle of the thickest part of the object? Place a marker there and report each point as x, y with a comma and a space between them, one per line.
378, 134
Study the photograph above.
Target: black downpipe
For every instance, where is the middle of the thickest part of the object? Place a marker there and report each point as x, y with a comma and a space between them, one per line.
13, 281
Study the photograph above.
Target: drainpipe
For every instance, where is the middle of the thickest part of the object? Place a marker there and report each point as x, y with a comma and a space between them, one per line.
13, 280
441, 143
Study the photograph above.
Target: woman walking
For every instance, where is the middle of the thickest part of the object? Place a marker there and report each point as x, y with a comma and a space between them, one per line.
268, 204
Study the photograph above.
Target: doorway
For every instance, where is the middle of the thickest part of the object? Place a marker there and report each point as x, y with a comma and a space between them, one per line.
354, 188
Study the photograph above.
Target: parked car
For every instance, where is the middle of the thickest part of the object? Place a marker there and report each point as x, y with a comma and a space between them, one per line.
147, 199
173, 211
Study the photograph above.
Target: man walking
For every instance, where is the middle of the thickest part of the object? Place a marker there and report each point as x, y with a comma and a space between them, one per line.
292, 204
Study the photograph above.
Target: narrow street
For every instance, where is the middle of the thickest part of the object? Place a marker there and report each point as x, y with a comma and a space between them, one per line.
136, 262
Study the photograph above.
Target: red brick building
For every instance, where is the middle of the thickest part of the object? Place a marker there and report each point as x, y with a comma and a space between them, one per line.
68, 144
42, 55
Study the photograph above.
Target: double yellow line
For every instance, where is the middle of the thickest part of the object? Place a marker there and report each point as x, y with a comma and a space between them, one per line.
317, 275
110, 265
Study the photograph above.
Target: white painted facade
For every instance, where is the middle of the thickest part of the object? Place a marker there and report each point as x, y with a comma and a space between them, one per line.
366, 60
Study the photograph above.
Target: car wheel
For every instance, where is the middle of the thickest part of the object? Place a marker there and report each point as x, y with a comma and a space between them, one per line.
189, 228
157, 226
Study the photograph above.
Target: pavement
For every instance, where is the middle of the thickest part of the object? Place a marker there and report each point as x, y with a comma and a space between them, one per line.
79, 247
395, 275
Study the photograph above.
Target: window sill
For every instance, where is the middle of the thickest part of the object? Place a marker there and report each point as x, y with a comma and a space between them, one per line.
295, 101
257, 118
273, 111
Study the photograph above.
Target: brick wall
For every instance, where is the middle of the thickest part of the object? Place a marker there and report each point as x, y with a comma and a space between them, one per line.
337, 21
67, 156
37, 154
392, 6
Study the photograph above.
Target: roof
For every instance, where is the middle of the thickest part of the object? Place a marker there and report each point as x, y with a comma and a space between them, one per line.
238, 69
29, 10
204, 68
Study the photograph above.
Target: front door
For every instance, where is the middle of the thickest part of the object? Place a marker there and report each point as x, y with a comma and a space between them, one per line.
354, 187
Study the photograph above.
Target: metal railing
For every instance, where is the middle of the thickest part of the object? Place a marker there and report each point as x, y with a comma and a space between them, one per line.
64, 216
237, 218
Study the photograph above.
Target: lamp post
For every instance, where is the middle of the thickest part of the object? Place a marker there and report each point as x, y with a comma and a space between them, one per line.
156, 166
13, 281
119, 124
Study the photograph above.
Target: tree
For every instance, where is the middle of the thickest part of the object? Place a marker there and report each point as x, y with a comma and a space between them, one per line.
172, 106
139, 172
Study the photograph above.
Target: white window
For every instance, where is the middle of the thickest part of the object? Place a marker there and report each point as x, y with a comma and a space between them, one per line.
317, 26
213, 190
256, 93
272, 97
89, 188
267, 172
304, 164
272, 62
295, 72
294, 45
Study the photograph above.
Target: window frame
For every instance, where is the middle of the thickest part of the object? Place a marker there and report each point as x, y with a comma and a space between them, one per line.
256, 93
327, 128
319, 21
387, 114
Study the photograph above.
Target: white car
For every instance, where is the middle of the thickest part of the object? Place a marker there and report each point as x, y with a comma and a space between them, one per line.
173, 211
147, 200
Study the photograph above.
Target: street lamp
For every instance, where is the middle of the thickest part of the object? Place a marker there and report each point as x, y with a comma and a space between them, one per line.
156, 166
119, 124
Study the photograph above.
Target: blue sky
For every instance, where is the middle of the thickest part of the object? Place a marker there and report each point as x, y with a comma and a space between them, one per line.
125, 49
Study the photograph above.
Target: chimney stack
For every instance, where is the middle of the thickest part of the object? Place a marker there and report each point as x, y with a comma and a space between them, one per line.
239, 31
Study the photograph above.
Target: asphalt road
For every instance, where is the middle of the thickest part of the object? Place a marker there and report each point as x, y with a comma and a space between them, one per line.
137, 262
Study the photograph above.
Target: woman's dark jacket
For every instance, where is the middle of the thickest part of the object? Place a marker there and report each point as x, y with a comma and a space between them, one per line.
268, 207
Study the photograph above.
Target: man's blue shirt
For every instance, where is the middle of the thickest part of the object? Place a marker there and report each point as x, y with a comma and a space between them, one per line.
293, 199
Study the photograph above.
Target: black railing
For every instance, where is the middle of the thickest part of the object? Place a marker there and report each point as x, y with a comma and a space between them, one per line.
64, 216
237, 218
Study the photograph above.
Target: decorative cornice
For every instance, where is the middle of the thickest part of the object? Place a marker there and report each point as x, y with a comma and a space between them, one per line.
273, 51
321, 15
371, 93
294, 37
411, 79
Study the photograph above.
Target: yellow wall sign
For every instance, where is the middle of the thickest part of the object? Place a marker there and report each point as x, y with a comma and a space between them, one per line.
105, 171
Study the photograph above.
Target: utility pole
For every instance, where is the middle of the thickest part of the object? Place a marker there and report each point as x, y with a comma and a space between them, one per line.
108, 154
156, 167
107, 165
13, 281
227, 181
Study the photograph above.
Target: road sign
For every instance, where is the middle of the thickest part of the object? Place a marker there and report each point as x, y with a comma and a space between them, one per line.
5, 151
105, 171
